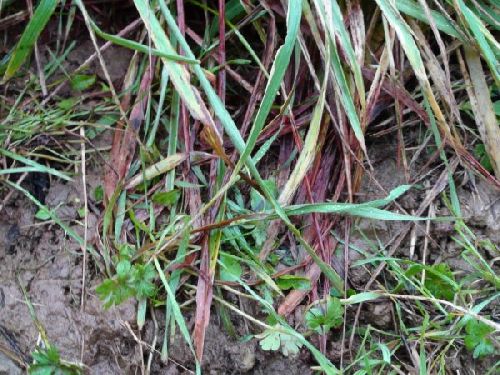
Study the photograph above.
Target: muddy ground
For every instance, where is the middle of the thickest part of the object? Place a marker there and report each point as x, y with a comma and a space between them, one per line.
39, 257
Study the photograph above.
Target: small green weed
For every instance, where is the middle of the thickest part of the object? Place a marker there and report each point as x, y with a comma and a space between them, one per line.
274, 339
47, 361
325, 316
131, 280
477, 340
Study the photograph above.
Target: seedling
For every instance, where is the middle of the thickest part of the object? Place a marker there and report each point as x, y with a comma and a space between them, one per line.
274, 339
130, 280
477, 340
325, 316
47, 361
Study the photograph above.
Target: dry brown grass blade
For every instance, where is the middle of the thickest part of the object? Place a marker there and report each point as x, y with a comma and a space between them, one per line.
482, 107
323, 172
204, 294
124, 142
13, 19
439, 75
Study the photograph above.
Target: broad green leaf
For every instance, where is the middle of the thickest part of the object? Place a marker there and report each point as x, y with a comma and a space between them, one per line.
143, 276
274, 338
123, 268
166, 198
259, 202
82, 82
325, 316
99, 193
287, 282
290, 345
439, 280
67, 104
476, 340
230, 268
270, 341
42, 214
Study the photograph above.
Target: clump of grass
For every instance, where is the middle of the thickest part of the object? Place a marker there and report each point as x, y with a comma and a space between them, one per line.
245, 194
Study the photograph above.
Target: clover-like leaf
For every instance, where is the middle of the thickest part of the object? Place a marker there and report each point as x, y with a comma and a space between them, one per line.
142, 280
114, 291
290, 345
274, 338
270, 340
476, 338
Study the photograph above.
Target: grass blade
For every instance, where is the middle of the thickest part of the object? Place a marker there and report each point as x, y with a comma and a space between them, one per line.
133, 45
412, 9
487, 43
236, 138
308, 152
41, 16
176, 310
33, 166
482, 106
276, 75
180, 76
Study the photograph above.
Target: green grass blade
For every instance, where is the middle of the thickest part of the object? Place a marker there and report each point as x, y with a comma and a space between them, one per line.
215, 102
159, 110
329, 18
235, 136
308, 152
176, 310
278, 69
335, 26
487, 43
404, 34
41, 16
414, 10
360, 298
118, 40
178, 73
368, 210
33, 166
342, 87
